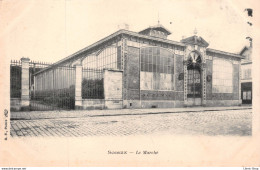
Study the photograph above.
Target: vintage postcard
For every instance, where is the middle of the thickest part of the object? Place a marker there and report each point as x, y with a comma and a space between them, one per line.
129, 83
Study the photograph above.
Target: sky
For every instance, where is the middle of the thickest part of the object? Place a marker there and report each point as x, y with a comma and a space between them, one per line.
50, 30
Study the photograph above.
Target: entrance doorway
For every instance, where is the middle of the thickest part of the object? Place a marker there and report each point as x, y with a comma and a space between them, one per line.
194, 87
246, 91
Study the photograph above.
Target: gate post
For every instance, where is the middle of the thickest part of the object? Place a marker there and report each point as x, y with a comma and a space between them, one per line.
78, 87
25, 98
204, 78
113, 90
239, 85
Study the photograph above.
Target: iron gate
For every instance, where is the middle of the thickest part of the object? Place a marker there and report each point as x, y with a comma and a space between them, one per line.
54, 89
194, 84
92, 83
194, 87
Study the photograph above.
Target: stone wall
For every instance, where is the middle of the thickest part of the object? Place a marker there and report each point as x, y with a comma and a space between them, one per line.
161, 104
15, 104
212, 103
88, 104
92, 104
113, 89
235, 81
161, 95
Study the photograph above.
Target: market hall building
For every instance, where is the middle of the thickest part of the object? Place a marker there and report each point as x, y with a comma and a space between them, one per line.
146, 70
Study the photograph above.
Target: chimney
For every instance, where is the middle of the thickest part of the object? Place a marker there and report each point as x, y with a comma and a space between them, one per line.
250, 41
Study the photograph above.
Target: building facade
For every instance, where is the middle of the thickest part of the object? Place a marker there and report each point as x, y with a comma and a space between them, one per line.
246, 77
146, 70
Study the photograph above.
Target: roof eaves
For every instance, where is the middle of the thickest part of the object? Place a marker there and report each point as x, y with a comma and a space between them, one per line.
246, 62
225, 53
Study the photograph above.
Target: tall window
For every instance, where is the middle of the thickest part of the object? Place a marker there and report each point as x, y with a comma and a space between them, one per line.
107, 58
222, 76
246, 72
157, 71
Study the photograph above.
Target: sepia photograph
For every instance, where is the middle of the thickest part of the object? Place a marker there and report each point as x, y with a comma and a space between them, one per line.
133, 83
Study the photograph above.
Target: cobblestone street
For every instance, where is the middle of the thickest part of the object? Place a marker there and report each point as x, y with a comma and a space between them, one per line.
229, 122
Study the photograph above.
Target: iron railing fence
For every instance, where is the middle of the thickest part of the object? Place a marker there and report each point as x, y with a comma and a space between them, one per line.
92, 83
34, 67
16, 75
15, 78
54, 89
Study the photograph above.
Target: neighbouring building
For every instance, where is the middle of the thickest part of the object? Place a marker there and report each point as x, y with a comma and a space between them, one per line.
146, 70
246, 77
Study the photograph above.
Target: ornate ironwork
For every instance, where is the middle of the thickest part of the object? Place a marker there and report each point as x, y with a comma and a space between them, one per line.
181, 76
209, 78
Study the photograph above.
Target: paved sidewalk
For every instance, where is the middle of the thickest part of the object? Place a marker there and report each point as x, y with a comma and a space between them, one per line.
34, 115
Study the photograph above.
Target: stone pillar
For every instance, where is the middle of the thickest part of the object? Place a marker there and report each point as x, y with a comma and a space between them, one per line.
185, 77
239, 85
25, 91
78, 87
204, 88
204, 76
113, 89
124, 53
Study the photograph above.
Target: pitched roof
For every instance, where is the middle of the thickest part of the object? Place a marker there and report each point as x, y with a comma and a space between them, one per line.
76, 55
195, 40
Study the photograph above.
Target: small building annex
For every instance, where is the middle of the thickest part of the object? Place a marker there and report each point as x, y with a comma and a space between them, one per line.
246, 75
146, 70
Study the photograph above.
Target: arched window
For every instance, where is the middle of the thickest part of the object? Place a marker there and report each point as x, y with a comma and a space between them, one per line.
107, 58
157, 69
90, 62
194, 61
222, 76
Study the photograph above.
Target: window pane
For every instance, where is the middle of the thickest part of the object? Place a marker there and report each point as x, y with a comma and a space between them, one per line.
150, 69
249, 95
157, 66
142, 58
154, 59
142, 67
154, 68
146, 67
222, 76
146, 58
244, 95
